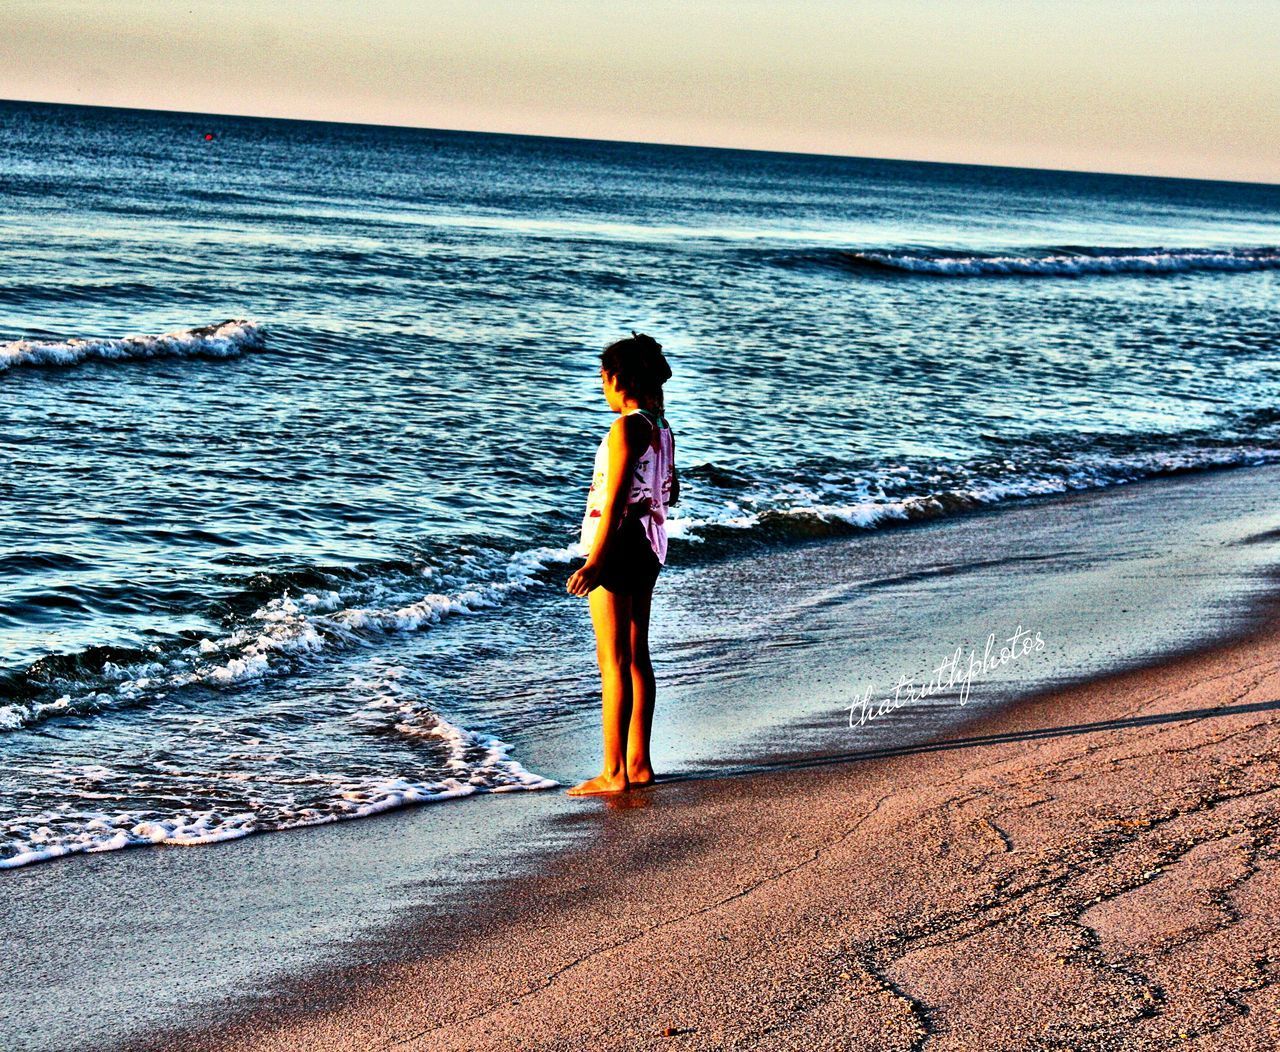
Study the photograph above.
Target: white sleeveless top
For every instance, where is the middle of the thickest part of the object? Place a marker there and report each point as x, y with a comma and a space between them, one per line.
651, 482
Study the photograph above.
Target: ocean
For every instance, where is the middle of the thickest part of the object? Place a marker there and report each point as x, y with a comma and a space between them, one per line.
298, 422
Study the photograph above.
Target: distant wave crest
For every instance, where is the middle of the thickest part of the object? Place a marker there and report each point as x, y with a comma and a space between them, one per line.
223, 340
1050, 262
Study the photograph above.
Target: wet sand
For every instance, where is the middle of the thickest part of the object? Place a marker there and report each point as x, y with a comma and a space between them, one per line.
1094, 868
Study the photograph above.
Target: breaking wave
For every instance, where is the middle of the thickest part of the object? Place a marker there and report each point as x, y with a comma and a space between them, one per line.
279, 634
1068, 262
224, 340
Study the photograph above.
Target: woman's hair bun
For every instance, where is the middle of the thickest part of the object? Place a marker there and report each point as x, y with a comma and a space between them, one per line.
638, 366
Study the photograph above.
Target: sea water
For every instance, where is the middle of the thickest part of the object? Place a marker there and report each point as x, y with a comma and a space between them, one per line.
296, 421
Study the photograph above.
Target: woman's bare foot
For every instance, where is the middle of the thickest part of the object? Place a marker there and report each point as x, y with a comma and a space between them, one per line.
601, 783
640, 776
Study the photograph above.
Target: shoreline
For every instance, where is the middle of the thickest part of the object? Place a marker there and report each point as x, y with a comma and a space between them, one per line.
872, 859
299, 921
1029, 863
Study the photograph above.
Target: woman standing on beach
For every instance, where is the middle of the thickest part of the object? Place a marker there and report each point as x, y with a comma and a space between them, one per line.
625, 534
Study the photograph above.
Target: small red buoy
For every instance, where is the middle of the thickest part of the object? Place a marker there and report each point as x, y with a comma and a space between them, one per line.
208, 136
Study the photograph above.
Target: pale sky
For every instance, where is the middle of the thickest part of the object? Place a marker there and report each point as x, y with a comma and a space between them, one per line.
1164, 87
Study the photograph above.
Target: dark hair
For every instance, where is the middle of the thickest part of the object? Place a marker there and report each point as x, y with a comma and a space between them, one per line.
638, 367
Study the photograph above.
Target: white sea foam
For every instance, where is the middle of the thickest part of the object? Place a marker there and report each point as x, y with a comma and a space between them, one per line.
210, 341
1068, 263
477, 763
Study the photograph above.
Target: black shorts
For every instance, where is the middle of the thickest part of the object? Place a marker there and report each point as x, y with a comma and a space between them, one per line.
630, 565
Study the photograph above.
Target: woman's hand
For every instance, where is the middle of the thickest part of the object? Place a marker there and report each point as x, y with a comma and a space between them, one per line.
584, 578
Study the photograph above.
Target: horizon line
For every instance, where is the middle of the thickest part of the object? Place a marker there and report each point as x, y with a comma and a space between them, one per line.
644, 142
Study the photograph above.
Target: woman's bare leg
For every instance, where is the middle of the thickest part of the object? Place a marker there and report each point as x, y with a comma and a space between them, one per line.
611, 616
643, 692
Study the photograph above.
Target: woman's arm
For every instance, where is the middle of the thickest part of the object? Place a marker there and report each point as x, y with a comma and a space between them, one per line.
626, 443
674, 496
